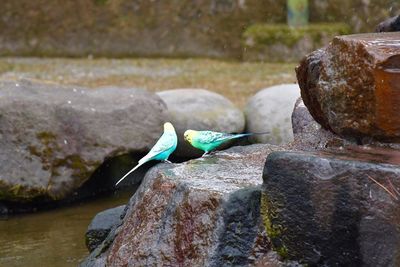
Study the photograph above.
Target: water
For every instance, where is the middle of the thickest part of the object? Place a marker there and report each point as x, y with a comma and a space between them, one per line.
51, 238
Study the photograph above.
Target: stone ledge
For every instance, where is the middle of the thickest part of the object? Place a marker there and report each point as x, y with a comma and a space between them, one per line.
322, 208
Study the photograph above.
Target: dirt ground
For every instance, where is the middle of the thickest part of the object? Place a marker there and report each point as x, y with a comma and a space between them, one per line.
235, 80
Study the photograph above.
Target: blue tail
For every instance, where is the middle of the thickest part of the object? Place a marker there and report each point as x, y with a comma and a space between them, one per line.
246, 134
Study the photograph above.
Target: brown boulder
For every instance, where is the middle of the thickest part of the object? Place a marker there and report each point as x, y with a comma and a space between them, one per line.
203, 212
352, 87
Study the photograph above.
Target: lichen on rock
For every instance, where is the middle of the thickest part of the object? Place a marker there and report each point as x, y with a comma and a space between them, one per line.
54, 137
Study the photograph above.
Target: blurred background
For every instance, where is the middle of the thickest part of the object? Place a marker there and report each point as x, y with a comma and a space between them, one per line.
172, 28
232, 47
160, 45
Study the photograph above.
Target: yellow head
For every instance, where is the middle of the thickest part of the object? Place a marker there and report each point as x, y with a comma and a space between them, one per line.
188, 135
168, 127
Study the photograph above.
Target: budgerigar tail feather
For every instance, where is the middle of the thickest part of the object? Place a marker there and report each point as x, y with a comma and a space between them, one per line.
244, 135
241, 135
260, 133
133, 169
235, 136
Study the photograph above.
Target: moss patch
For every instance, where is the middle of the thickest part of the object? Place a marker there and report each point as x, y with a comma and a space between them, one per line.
274, 230
100, 2
19, 192
47, 150
269, 34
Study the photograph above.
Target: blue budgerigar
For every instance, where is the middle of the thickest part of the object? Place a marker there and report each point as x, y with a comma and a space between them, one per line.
161, 150
209, 140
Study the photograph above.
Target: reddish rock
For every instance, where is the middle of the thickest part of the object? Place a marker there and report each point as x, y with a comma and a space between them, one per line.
203, 212
352, 87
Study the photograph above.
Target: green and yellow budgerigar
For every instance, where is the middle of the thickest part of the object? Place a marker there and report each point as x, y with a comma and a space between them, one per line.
161, 150
209, 140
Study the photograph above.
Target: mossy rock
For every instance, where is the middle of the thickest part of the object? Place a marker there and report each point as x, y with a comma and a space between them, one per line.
54, 139
322, 209
279, 42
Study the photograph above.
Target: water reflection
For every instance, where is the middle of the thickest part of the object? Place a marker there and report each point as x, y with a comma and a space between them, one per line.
51, 238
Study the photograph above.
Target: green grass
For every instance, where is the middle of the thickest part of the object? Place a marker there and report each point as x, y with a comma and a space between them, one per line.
233, 79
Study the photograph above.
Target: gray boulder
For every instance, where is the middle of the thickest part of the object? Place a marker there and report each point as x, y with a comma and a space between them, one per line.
53, 137
389, 25
270, 110
308, 134
101, 226
203, 212
325, 209
199, 109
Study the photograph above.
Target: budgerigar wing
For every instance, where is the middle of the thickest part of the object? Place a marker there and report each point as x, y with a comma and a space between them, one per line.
164, 143
208, 137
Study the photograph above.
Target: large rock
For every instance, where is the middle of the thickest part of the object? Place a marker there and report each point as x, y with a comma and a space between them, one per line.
353, 86
270, 110
53, 137
324, 209
199, 109
203, 212
101, 226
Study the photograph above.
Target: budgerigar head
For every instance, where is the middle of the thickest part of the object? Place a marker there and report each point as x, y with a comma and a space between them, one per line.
188, 135
168, 127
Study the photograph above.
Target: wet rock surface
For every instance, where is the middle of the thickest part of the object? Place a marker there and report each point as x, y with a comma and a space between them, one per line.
200, 109
270, 110
203, 212
324, 209
101, 226
52, 138
352, 86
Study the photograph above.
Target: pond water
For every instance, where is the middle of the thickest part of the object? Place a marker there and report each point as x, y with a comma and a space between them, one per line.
51, 238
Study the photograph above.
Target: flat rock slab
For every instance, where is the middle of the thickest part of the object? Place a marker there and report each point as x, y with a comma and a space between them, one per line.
199, 109
203, 212
53, 137
352, 87
324, 209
